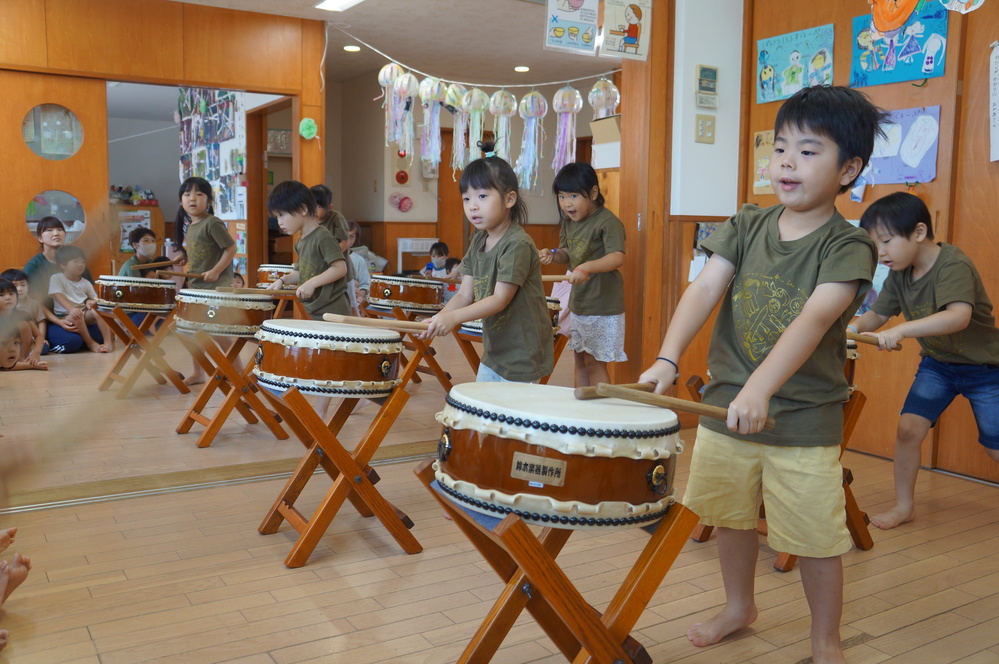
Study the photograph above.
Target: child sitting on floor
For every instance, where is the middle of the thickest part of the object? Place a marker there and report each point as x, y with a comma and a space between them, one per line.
36, 315
74, 299
19, 326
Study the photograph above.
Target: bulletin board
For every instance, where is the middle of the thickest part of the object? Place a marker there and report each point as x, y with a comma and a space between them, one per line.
213, 145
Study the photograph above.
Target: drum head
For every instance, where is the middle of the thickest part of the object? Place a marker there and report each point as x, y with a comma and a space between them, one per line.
321, 330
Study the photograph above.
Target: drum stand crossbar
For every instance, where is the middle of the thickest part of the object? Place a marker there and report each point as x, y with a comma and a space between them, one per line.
428, 363
534, 581
239, 388
466, 339
353, 479
148, 352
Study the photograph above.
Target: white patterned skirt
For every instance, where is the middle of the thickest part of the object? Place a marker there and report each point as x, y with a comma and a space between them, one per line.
599, 336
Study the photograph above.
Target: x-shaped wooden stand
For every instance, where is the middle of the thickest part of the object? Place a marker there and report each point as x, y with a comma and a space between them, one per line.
466, 339
534, 581
239, 387
411, 342
148, 352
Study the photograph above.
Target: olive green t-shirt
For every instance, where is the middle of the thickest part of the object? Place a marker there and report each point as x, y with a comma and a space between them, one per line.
317, 251
127, 271
336, 224
596, 236
953, 278
517, 342
206, 241
773, 280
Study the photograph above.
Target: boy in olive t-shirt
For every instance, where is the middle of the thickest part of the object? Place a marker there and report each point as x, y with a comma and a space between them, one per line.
940, 293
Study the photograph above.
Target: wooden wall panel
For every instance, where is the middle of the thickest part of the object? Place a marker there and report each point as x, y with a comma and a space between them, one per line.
120, 39
308, 161
19, 46
258, 52
385, 236
313, 43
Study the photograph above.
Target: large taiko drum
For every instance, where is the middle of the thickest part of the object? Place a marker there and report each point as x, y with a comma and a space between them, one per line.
414, 295
328, 359
135, 295
271, 272
535, 451
474, 327
221, 314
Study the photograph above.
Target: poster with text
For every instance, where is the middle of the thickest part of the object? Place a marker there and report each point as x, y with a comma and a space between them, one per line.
788, 63
627, 29
571, 25
763, 148
908, 153
129, 220
912, 52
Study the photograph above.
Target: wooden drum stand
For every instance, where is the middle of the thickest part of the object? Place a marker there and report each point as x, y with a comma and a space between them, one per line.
148, 352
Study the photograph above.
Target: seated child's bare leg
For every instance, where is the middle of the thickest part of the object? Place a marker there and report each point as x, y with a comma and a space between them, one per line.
994, 454
12, 575
580, 377
596, 370
822, 579
737, 553
912, 429
7, 537
91, 318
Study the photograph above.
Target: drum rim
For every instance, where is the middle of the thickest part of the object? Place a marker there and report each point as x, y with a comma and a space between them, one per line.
137, 281
437, 285
281, 266
264, 377
228, 297
275, 327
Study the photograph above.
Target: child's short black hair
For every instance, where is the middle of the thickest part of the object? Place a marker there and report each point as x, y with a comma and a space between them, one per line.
451, 263
323, 196
48, 222
843, 114
290, 197
7, 286
13, 274
439, 248
136, 234
67, 253
577, 177
899, 214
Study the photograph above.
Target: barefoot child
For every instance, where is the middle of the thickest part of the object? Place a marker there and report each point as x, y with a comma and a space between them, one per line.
788, 278
20, 331
34, 313
940, 293
75, 300
12, 574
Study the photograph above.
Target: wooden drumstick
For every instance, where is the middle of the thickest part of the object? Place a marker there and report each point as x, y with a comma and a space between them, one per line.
716, 412
864, 339
587, 393
554, 277
149, 266
187, 275
399, 325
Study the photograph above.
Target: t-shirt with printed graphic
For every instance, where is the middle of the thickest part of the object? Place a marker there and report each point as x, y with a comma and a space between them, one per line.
596, 236
206, 242
336, 224
517, 342
773, 280
316, 252
952, 278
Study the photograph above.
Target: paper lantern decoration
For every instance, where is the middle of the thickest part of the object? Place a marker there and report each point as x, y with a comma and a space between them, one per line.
452, 102
533, 108
386, 79
503, 106
604, 98
406, 89
566, 103
432, 94
475, 102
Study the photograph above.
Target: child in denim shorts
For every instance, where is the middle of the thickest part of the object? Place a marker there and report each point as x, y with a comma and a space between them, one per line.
940, 293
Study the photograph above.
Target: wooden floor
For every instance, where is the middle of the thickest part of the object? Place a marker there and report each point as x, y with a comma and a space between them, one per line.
185, 577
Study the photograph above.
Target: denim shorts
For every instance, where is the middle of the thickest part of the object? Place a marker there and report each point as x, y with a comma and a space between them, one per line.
937, 383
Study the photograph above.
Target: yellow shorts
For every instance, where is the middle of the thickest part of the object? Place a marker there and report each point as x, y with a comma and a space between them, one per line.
801, 486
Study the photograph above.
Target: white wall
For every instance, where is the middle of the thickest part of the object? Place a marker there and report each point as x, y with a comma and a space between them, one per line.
148, 156
362, 138
705, 177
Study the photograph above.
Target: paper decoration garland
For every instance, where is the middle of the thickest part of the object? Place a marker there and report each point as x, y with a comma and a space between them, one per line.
604, 98
566, 103
503, 106
432, 94
307, 129
386, 79
475, 102
406, 88
533, 108
452, 102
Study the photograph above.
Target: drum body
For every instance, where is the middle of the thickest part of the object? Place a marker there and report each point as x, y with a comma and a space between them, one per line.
271, 272
328, 359
535, 451
221, 314
135, 295
417, 295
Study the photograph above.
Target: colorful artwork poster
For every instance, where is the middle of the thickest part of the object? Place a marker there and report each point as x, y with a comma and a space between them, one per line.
571, 25
763, 149
129, 220
908, 153
788, 63
213, 143
913, 52
627, 29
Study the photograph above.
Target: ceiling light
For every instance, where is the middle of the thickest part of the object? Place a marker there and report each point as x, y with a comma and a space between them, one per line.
522, 68
337, 5
352, 48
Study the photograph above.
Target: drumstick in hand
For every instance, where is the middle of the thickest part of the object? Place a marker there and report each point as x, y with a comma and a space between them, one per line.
587, 393
187, 275
554, 277
864, 339
149, 266
399, 325
716, 412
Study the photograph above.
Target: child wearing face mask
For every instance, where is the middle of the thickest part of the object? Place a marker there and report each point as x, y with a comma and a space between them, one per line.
143, 241
438, 268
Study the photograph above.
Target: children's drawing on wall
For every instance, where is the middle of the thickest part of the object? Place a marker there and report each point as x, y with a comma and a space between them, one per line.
890, 51
787, 63
213, 143
571, 25
908, 153
763, 148
626, 34
963, 6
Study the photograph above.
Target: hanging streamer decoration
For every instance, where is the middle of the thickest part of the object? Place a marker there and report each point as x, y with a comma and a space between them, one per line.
604, 98
503, 106
406, 89
386, 79
533, 108
475, 102
566, 103
452, 102
432, 94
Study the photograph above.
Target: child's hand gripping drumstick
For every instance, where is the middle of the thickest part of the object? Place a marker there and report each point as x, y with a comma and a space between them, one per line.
400, 325
868, 339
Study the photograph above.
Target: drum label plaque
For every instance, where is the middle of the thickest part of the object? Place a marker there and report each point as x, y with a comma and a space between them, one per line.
537, 469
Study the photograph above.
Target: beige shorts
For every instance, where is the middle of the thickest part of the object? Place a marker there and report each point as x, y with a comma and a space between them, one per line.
801, 486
